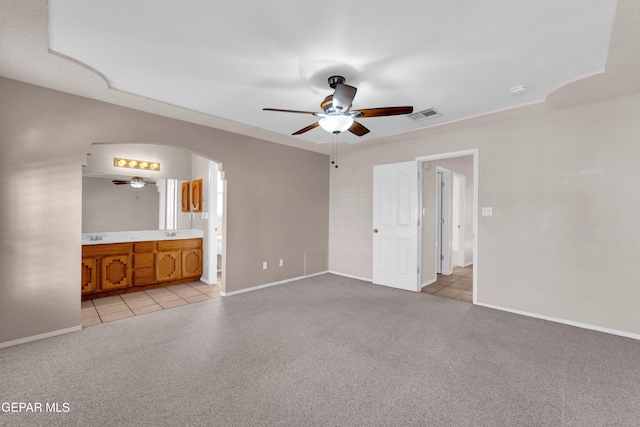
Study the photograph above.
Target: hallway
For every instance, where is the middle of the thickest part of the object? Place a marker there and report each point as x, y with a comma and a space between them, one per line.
457, 286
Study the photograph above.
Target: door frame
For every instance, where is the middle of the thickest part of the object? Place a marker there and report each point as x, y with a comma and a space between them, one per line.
443, 221
474, 152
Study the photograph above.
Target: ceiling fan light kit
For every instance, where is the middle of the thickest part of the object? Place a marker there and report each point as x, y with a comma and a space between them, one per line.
336, 123
337, 115
135, 182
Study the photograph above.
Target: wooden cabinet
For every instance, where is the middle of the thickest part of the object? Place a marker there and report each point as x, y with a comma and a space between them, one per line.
185, 198
196, 195
90, 275
168, 266
191, 263
143, 263
106, 267
110, 269
115, 272
179, 259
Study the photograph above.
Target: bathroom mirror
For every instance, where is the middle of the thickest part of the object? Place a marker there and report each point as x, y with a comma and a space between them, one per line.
110, 207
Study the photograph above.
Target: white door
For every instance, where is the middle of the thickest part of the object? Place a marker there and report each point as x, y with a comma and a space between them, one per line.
395, 225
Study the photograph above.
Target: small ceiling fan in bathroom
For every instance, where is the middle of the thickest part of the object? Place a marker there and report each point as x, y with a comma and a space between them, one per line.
135, 182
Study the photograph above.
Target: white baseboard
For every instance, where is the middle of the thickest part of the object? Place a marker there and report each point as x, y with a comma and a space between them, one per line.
40, 336
429, 282
202, 279
564, 321
268, 285
364, 279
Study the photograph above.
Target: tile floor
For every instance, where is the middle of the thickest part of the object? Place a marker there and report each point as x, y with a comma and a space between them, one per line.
107, 309
457, 286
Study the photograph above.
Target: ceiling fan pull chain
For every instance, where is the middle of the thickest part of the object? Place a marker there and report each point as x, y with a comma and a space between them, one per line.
335, 149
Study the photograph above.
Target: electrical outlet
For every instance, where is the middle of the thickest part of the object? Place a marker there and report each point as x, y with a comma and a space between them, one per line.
281, 262
264, 265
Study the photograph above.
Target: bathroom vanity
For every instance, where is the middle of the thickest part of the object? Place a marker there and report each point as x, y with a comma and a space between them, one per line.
120, 262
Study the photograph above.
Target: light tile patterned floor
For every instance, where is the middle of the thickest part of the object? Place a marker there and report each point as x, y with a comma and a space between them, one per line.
107, 309
457, 286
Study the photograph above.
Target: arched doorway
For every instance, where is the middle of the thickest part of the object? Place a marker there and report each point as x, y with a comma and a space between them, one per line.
176, 168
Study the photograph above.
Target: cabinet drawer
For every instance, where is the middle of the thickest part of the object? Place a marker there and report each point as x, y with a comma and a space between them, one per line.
143, 260
143, 277
140, 247
173, 245
92, 251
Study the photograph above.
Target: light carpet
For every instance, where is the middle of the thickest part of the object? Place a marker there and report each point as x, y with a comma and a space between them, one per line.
326, 351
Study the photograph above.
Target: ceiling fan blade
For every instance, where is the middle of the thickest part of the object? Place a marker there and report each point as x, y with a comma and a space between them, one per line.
357, 129
379, 112
343, 97
308, 128
120, 182
289, 111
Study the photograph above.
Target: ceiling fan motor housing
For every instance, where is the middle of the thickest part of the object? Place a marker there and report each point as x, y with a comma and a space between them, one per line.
327, 105
334, 80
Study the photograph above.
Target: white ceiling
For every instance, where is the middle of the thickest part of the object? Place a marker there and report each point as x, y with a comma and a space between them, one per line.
231, 59
219, 63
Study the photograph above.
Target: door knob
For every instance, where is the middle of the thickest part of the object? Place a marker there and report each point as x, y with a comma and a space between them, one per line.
375, 230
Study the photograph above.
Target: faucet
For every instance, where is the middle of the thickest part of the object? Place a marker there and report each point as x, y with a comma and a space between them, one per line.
172, 234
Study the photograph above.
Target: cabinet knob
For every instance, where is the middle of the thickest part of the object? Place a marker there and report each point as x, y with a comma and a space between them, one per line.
375, 230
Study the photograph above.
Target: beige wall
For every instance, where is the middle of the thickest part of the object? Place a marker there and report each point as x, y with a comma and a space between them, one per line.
174, 163
563, 238
277, 200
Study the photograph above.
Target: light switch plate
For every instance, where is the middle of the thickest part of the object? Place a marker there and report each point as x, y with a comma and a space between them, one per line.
487, 211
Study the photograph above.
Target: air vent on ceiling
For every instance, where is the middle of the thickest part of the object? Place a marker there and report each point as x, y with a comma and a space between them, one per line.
424, 114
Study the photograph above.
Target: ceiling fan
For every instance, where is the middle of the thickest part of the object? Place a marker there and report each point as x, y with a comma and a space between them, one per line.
135, 182
338, 116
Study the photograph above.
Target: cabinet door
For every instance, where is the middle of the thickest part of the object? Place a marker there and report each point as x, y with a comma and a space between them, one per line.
89, 275
186, 201
191, 262
196, 195
167, 266
115, 272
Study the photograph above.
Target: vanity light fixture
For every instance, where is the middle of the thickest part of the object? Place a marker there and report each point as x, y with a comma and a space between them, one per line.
136, 164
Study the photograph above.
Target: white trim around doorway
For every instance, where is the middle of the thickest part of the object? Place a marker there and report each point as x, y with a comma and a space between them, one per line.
474, 152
